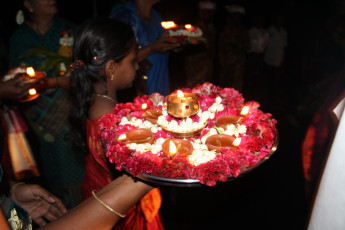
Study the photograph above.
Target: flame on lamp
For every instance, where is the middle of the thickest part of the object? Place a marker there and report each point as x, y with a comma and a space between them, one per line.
168, 24
144, 106
172, 148
180, 93
245, 110
30, 71
122, 137
237, 141
188, 26
32, 91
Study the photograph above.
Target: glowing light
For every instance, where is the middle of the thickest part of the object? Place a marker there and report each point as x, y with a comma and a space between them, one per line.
180, 93
122, 137
245, 110
237, 141
32, 91
168, 24
144, 106
188, 26
172, 148
30, 71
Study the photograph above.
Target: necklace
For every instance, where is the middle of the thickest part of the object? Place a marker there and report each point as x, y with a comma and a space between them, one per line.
106, 97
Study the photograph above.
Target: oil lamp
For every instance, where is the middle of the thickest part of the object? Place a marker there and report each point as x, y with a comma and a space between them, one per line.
220, 141
182, 105
176, 147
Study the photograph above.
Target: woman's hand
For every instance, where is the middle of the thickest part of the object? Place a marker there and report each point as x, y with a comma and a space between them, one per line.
14, 89
162, 45
40, 203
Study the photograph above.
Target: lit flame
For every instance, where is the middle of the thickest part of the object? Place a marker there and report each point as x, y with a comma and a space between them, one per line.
188, 26
144, 106
122, 137
168, 24
245, 110
180, 93
30, 71
237, 141
172, 148
32, 91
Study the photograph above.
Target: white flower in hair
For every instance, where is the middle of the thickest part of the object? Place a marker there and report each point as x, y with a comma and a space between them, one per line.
20, 17
66, 40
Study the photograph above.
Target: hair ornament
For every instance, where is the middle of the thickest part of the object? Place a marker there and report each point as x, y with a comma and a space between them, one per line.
77, 64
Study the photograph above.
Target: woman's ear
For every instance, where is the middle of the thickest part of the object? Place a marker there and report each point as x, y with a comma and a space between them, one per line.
28, 5
110, 69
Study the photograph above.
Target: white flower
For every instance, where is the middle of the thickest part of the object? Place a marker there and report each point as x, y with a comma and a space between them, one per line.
154, 129
213, 131
196, 146
220, 107
132, 146
201, 156
138, 122
63, 67
160, 141
212, 109
218, 100
20, 17
203, 139
205, 114
66, 40
195, 126
242, 129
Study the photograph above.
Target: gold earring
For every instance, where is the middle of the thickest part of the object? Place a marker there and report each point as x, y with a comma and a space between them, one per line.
112, 77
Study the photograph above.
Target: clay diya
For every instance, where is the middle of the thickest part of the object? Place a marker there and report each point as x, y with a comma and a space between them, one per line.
32, 95
152, 115
220, 141
182, 105
174, 147
139, 136
31, 75
224, 121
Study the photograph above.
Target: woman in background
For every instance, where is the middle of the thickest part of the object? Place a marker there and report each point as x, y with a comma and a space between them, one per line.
146, 25
61, 168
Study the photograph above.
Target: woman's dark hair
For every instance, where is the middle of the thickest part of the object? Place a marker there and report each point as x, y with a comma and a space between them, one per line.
97, 41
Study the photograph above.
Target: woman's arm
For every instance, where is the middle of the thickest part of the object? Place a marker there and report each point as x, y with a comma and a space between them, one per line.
120, 195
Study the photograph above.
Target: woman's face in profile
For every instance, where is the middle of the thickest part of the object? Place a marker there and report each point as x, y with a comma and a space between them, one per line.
41, 7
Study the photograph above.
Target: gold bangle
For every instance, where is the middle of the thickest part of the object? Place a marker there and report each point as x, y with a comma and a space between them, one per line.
105, 205
15, 187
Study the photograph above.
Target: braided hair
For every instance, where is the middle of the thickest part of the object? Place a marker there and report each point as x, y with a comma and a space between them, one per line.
97, 41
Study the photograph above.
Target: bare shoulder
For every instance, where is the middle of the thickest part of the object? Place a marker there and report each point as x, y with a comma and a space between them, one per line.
99, 108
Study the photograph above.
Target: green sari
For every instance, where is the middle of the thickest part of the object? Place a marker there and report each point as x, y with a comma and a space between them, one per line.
61, 168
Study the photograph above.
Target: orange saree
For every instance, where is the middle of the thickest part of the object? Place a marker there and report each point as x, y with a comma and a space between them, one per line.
145, 214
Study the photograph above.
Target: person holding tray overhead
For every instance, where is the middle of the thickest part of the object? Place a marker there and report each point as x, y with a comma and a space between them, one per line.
106, 61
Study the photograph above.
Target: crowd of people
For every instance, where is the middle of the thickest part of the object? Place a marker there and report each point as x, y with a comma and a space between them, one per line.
114, 59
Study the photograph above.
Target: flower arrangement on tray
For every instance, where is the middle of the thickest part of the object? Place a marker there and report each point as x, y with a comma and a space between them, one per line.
213, 143
184, 34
